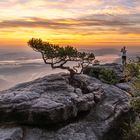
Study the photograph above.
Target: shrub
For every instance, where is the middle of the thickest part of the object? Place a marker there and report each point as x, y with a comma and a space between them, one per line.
135, 104
133, 69
105, 75
134, 131
94, 72
108, 76
136, 87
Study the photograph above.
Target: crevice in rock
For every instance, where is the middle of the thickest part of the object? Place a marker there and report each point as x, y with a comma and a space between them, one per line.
56, 126
79, 84
49, 127
24, 133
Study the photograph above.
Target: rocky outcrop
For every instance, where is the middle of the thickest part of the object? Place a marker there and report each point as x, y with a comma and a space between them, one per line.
51, 108
48, 100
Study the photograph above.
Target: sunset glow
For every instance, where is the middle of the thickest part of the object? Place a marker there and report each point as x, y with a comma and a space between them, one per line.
73, 22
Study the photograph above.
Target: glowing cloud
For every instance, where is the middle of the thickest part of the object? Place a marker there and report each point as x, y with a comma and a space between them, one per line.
75, 22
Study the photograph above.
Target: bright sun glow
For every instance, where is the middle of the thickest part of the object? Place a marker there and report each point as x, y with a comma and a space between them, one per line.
74, 22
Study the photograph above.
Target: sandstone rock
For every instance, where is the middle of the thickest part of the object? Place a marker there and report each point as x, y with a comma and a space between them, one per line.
45, 101
11, 133
125, 86
86, 110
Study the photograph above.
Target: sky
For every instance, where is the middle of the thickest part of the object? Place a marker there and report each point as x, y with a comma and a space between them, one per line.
92, 23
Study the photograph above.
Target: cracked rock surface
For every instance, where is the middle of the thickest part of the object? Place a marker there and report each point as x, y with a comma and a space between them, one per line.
50, 108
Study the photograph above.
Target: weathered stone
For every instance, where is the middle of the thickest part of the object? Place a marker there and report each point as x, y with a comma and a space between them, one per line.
11, 134
125, 86
45, 101
71, 112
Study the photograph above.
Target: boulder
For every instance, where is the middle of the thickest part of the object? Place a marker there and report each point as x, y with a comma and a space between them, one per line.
15, 133
52, 108
47, 100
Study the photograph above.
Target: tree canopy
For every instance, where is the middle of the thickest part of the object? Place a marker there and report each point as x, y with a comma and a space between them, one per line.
58, 56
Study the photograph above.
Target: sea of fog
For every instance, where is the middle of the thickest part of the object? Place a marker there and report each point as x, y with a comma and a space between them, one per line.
22, 65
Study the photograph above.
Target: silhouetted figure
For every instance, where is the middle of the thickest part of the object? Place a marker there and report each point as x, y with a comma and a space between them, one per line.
124, 51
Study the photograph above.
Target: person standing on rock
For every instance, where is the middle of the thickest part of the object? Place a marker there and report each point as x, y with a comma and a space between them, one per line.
124, 51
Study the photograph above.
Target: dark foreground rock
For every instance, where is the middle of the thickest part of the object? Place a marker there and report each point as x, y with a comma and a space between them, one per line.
48, 100
11, 133
50, 108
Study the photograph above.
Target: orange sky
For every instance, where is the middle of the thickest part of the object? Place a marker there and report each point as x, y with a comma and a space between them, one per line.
74, 22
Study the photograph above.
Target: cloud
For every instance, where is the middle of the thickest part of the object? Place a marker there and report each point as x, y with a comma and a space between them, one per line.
66, 8
70, 20
121, 23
